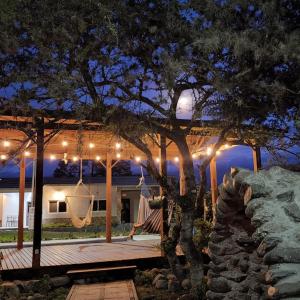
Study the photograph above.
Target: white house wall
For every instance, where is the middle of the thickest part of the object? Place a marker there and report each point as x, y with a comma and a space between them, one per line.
79, 205
10, 206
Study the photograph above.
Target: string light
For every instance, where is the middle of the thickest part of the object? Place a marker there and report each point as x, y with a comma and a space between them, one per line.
118, 155
137, 159
6, 143
98, 158
65, 143
26, 153
118, 145
52, 157
226, 146
91, 145
176, 159
75, 158
209, 151
157, 159
218, 152
3, 156
194, 155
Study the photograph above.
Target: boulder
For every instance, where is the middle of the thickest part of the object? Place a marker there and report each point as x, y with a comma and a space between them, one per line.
173, 286
59, 281
10, 289
161, 284
158, 277
186, 284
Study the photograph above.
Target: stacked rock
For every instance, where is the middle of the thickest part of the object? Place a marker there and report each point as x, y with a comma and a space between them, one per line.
255, 244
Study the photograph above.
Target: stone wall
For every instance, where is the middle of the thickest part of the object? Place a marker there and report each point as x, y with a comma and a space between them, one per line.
255, 244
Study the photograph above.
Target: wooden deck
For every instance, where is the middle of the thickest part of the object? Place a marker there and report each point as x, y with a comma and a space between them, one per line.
116, 290
68, 257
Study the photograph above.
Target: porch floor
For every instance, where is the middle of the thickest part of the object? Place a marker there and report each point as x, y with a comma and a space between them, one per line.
82, 255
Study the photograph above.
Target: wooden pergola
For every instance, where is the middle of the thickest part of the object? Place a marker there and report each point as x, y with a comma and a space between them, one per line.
47, 138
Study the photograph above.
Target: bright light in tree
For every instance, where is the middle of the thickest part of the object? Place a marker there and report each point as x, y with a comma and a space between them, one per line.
209, 151
185, 105
118, 155
194, 155
65, 143
3, 156
98, 158
91, 145
52, 157
6, 143
75, 158
218, 152
137, 159
157, 159
118, 145
176, 159
226, 146
27, 153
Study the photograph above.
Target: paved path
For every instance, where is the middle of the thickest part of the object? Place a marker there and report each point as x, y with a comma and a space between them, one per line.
116, 290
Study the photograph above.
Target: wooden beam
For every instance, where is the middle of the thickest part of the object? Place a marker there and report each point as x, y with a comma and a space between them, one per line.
213, 182
21, 203
163, 172
257, 165
39, 181
108, 196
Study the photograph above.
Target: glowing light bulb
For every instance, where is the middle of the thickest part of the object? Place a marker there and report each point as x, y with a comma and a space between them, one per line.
176, 159
209, 151
6, 143
157, 159
91, 145
75, 158
3, 156
52, 157
26, 153
218, 152
65, 143
98, 158
137, 159
118, 145
194, 155
118, 155
226, 146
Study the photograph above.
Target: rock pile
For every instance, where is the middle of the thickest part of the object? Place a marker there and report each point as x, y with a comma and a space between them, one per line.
36, 289
255, 244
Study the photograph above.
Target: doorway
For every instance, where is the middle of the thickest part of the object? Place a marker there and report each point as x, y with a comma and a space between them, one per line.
125, 211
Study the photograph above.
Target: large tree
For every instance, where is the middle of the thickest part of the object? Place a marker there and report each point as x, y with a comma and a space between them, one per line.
128, 64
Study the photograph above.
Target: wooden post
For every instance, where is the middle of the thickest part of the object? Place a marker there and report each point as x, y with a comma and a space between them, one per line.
163, 172
39, 181
213, 182
108, 196
257, 165
21, 203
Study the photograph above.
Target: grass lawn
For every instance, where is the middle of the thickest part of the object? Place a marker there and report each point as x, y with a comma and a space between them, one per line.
11, 235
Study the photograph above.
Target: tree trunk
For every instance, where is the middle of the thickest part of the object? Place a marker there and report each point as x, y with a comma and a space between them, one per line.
187, 201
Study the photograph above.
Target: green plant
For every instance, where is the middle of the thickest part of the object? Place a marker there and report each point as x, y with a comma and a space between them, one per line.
202, 230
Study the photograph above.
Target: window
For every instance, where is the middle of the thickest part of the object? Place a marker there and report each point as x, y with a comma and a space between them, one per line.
99, 205
57, 206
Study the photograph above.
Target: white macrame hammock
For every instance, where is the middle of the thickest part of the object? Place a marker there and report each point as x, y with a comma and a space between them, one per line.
144, 209
76, 220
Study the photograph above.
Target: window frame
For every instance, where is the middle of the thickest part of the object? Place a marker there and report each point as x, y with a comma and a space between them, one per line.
57, 207
98, 206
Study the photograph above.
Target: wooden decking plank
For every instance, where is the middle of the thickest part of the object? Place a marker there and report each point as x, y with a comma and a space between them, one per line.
76, 254
6, 256
27, 261
52, 257
72, 255
116, 290
19, 259
14, 258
